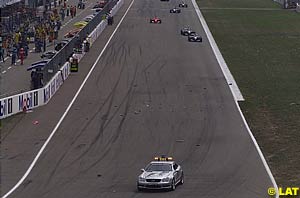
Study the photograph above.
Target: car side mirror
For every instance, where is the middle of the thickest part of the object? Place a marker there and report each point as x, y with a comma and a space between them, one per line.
142, 170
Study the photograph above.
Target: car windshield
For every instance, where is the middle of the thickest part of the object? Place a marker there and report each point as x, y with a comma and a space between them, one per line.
158, 167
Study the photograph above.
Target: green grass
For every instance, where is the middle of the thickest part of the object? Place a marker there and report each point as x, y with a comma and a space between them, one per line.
238, 3
262, 50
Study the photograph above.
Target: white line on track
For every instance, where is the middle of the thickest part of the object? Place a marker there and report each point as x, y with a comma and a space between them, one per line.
259, 151
9, 68
228, 76
209, 35
4, 72
66, 111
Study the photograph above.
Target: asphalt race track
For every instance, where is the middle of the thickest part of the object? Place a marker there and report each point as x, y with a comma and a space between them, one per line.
151, 93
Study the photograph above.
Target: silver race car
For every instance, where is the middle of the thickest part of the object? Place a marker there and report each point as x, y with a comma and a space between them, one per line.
162, 173
183, 5
195, 38
175, 10
186, 31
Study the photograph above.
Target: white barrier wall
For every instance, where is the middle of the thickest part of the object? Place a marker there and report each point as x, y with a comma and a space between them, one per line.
15, 104
51, 88
97, 31
32, 99
115, 9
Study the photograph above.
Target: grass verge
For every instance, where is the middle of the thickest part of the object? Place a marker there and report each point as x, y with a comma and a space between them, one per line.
261, 48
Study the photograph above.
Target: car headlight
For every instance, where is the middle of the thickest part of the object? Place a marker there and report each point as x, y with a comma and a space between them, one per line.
167, 179
141, 179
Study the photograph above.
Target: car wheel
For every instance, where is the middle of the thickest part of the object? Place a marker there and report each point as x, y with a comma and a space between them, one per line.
173, 187
182, 179
139, 189
159, 21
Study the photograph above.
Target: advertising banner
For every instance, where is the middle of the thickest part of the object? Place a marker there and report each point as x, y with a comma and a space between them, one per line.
29, 100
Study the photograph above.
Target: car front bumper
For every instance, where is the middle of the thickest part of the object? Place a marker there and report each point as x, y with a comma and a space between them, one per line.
154, 185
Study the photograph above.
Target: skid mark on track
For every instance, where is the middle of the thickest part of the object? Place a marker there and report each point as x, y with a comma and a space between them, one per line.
109, 144
104, 123
108, 100
163, 64
145, 73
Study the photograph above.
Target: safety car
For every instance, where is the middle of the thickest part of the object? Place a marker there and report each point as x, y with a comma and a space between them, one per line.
162, 173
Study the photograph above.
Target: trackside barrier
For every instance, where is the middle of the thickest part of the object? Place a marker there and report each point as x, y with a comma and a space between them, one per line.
54, 84
91, 38
99, 29
29, 100
35, 98
115, 9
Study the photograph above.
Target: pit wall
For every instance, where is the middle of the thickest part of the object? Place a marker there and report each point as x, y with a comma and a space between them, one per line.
12, 105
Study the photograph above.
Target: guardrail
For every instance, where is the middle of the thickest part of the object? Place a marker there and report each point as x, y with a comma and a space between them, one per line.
65, 53
32, 99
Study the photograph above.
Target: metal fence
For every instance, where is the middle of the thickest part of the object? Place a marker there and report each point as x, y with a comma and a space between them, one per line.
66, 52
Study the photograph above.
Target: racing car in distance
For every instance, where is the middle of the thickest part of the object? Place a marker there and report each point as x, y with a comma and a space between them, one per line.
175, 10
183, 5
100, 5
186, 31
80, 24
49, 54
195, 38
61, 44
72, 33
155, 20
162, 173
97, 6
88, 18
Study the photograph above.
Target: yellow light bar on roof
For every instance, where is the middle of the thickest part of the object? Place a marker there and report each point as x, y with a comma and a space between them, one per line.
163, 158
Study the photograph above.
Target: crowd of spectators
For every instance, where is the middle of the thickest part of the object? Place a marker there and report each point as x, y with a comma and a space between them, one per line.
42, 31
